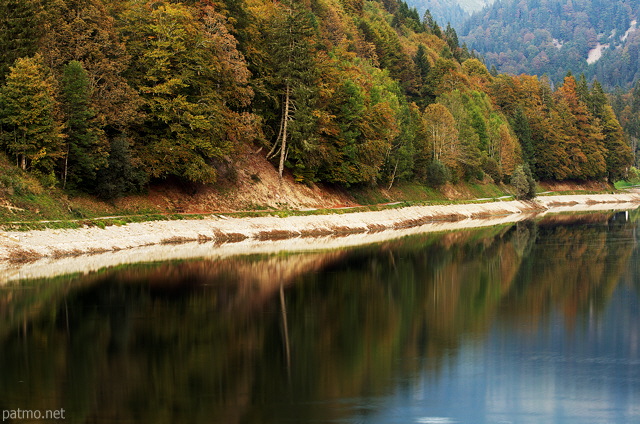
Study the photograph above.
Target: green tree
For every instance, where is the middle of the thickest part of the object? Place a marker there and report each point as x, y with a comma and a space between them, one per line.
522, 129
21, 28
421, 60
619, 156
401, 158
293, 75
451, 38
86, 145
29, 129
523, 182
438, 174
123, 174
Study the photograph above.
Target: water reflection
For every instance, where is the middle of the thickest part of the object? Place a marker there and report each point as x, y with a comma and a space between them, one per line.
535, 322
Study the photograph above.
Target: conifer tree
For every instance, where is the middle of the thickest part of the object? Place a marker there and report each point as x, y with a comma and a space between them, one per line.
582, 88
20, 30
585, 151
618, 156
86, 147
521, 127
452, 40
423, 67
292, 62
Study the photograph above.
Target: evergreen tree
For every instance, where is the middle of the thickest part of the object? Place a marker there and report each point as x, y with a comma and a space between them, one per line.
452, 40
21, 27
521, 127
597, 100
120, 176
428, 21
619, 156
522, 180
293, 76
86, 147
425, 95
582, 88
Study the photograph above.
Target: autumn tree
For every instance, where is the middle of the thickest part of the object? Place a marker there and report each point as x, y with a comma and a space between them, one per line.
190, 76
84, 31
29, 131
585, 149
509, 152
442, 134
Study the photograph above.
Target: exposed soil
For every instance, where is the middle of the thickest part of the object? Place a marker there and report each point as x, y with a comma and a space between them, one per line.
251, 184
575, 186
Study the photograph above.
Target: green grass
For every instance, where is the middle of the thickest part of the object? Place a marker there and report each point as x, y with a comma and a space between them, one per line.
622, 184
487, 190
26, 205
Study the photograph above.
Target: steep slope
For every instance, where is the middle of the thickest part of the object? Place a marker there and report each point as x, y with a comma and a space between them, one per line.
349, 93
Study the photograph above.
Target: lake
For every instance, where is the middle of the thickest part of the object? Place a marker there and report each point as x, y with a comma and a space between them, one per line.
534, 322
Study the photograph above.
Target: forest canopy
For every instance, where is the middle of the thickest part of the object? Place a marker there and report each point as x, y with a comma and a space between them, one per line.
104, 96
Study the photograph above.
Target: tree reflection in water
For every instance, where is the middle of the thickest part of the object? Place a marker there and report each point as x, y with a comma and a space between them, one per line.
202, 341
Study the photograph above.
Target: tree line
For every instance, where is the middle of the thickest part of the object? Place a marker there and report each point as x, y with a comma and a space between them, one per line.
104, 97
551, 36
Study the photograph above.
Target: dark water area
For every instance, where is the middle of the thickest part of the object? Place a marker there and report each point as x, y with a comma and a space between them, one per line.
536, 322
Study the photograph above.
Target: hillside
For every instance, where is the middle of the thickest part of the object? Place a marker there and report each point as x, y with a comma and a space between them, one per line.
107, 100
594, 37
443, 11
455, 12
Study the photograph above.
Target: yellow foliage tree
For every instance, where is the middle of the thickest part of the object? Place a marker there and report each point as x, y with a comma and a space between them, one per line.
442, 134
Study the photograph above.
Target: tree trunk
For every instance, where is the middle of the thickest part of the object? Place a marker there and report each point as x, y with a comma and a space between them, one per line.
66, 168
285, 117
393, 176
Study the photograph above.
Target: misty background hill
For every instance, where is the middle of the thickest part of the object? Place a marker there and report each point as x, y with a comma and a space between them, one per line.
599, 38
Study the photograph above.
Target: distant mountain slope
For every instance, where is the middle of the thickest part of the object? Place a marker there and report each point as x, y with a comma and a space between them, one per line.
455, 12
474, 5
597, 37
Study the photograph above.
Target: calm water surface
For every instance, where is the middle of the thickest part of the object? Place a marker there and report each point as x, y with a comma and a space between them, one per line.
531, 323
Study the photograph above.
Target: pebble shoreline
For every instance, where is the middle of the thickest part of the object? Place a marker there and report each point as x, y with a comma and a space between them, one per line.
219, 235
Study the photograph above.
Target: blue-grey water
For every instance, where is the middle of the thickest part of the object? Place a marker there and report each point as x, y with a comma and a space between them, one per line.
531, 323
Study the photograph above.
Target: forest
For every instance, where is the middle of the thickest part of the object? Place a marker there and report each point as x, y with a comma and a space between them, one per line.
552, 36
104, 97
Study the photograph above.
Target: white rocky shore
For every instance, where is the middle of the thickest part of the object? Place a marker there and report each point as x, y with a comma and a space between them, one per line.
35, 254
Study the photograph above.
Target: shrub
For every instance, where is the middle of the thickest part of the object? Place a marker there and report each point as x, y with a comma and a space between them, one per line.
523, 182
491, 167
437, 174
